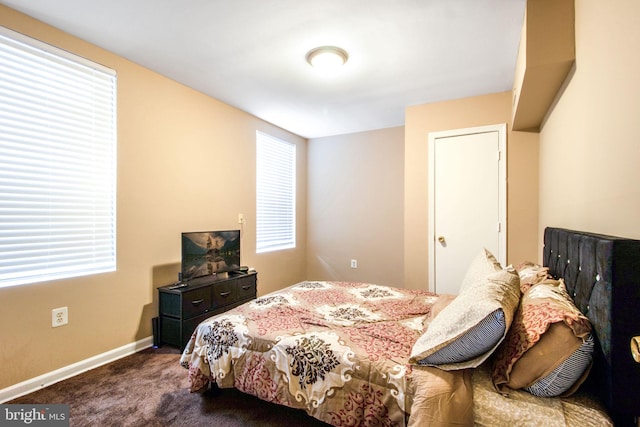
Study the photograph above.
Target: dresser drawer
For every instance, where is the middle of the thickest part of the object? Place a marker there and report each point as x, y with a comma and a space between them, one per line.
196, 302
223, 294
170, 331
188, 326
246, 288
170, 304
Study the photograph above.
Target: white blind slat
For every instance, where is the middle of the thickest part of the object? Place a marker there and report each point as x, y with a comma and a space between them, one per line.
275, 193
57, 163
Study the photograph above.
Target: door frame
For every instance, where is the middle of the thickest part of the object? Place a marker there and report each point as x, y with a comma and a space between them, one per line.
502, 191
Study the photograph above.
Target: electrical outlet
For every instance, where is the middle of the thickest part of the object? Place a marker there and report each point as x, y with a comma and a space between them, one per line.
59, 316
354, 263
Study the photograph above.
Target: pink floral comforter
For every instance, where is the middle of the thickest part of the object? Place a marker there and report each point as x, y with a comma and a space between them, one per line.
337, 350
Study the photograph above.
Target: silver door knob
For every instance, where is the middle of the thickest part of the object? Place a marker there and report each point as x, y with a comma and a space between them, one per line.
441, 239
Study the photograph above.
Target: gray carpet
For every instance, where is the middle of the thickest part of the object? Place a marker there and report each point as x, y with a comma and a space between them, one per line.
149, 388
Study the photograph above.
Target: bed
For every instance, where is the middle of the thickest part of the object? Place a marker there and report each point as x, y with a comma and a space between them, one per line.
603, 276
354, 353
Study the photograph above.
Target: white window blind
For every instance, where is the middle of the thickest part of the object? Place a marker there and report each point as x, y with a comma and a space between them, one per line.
276, 194
57, 163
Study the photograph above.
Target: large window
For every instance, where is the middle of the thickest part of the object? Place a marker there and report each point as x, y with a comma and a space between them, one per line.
57, 163
275, 193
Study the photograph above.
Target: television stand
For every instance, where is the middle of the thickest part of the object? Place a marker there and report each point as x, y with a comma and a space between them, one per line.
182, 309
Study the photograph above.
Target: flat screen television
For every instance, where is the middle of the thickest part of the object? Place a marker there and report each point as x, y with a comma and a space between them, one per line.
205, 253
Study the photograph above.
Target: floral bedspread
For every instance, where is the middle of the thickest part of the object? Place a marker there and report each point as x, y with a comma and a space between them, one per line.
337, 350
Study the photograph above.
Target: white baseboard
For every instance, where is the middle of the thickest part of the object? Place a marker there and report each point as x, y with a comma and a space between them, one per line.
53, 377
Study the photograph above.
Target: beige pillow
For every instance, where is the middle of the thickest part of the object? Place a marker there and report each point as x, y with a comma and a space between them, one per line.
441, 303
558, 343
482, 265
546, 331
465, 320
531, 274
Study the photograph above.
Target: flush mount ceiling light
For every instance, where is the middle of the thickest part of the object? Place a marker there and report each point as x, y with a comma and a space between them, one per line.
327, 59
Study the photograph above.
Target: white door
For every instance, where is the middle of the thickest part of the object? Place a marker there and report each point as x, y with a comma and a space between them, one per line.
467, 201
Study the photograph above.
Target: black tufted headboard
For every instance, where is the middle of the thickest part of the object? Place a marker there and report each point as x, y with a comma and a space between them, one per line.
603, 275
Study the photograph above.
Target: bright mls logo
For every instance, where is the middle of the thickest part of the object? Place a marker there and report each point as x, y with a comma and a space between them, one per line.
34, 415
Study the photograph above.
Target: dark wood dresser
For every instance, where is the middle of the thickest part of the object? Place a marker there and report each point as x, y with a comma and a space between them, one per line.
183, 308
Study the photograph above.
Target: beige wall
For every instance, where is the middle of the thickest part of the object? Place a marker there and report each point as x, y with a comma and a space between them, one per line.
590, 143
583, 165
355, 204
185, 163
522, 176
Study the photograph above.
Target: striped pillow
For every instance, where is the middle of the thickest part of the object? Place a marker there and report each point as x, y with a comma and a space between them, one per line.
567, 374
548, 348
476, 341
470, 328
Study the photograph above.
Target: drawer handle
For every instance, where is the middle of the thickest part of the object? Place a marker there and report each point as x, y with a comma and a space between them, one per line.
198, 301
225, 294
246, 287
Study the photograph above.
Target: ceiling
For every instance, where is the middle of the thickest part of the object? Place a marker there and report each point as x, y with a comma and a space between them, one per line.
251, 53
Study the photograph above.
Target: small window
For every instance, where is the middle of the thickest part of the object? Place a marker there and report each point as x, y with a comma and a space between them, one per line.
57, 163
275, 194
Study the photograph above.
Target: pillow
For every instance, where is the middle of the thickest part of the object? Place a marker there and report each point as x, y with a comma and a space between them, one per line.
467, 330
441, 303
548, 346
476, 341
531, 274
482, 265
565, 379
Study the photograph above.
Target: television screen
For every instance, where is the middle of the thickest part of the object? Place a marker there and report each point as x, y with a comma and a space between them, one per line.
205, 253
